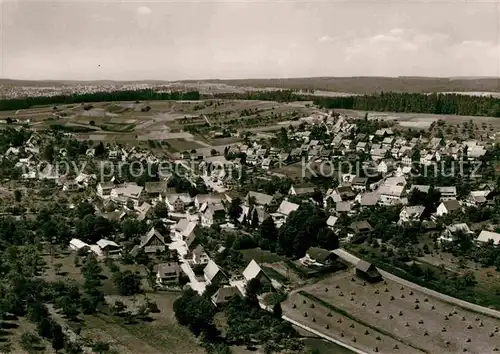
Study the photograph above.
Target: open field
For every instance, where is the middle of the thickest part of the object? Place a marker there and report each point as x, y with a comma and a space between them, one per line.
162, 335
410, 319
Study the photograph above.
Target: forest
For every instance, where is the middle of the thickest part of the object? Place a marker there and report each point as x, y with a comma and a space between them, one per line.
131, 95
455, 104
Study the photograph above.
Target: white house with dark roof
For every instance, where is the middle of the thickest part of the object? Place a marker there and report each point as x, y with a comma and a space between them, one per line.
254, 271
448, 206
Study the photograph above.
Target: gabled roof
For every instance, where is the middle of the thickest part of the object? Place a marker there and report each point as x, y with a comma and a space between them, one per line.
156, 187
485, 236
287, 207
165, 268
414, 211
225, 293
361, 225
320, 254
452, 205
199, 250
260, 198
211, 270
332, 220
103, 243
369, 199
252, 270
343, 206
365, 266
152, 233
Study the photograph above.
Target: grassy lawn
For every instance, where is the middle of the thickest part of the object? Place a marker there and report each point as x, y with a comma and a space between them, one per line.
183, 145
162, 335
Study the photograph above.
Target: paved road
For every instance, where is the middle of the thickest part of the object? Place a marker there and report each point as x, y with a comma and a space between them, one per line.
464, 304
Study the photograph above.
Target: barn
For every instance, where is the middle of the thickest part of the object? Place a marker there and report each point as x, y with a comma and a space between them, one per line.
367, 271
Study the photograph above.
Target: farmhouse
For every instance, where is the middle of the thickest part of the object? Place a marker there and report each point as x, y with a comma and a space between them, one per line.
367, 271
109, 248
319, 256
77, 245
153, 242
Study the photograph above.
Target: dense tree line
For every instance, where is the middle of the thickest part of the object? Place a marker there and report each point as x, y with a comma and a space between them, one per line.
131, 95
276, 95
416, 103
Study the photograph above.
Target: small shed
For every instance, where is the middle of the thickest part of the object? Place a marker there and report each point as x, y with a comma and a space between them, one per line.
367, 271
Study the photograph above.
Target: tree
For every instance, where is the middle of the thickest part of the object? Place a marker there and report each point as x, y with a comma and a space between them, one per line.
57, 268
48, 153
29, 341
277, 310
160, 210
194, 311
83, 209
127, 283
18, 195
100, 150
252, 289
269, 232
235, 209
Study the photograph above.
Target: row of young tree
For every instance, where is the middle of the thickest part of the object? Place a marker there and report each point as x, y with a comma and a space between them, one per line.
129, 95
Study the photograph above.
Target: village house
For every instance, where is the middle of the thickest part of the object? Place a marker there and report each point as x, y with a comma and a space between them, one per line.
153, 242
477, 198
168, 274
361, 228
331, 221
212, 214
109, 248
450, 232
367, 199
213, 274
78, 245
224, 294
411, 213
254, 271
318, 257
392, 190
126, 192
447, 193
258, 198
302, 191
199, 255
359, 184
178, 202
186, 230
154, 190
488, 236
448, 206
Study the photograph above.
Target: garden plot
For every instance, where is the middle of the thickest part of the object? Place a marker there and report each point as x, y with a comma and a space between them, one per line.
409, 316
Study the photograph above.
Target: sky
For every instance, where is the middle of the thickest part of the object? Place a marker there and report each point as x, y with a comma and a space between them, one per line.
173, 40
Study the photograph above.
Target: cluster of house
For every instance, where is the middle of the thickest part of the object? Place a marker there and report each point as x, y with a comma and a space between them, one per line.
386, 149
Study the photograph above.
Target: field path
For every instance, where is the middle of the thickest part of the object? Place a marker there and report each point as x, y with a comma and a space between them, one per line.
464, 304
